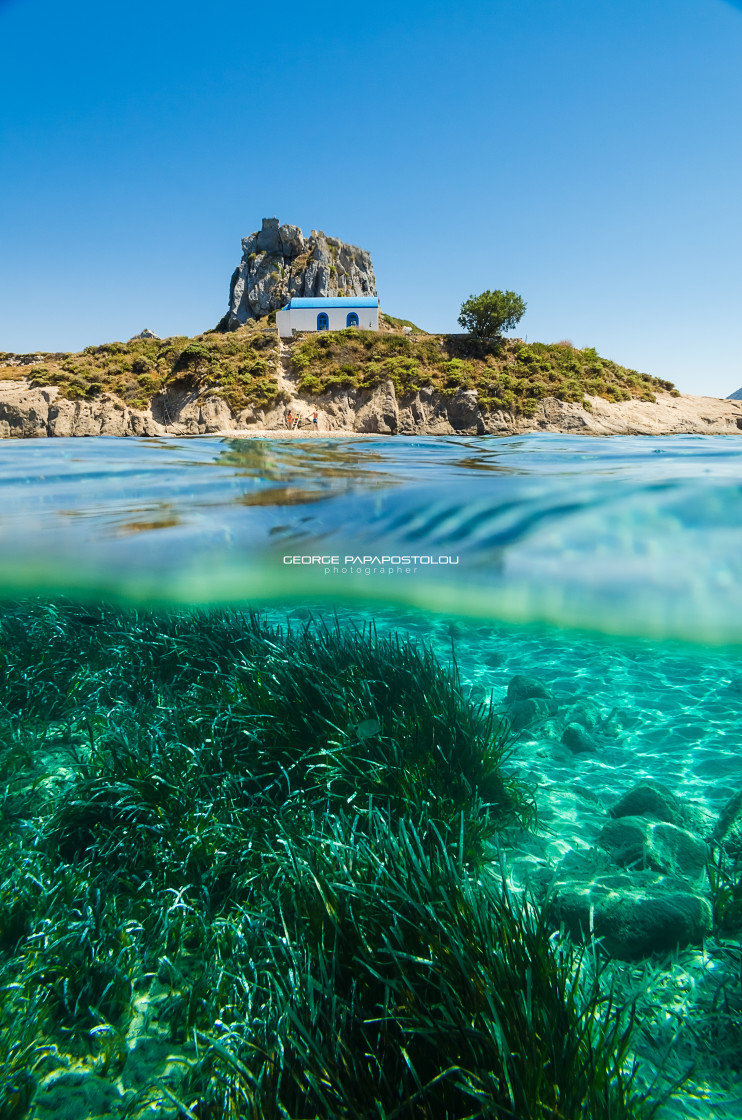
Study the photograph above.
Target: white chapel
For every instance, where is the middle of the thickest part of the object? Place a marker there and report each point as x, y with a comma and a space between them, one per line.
329, 313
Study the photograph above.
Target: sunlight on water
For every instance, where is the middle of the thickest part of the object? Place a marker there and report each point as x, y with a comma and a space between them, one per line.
624, 535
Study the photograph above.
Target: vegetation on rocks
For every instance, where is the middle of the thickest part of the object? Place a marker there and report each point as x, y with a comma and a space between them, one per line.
391, 323
240, 367
508, 374
272, 839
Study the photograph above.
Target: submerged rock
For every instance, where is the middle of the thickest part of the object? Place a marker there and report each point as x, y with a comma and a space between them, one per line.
587, 713
651, 799
525, 688
633, 913
154, 1058
638, 842
75, 1095
632, 921
578, 740
528, 713
728, 828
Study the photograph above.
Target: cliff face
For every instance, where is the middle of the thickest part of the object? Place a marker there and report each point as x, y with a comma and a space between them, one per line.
27, 412
278, 262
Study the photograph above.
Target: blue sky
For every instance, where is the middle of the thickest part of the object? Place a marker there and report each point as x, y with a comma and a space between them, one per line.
586, 154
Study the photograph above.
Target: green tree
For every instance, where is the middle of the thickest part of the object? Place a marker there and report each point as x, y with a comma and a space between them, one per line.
489, 314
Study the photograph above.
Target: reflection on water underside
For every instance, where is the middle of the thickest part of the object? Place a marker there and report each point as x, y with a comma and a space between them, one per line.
629, 535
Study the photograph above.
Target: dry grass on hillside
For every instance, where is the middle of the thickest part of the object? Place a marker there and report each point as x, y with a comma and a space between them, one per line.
240, 367
510, 375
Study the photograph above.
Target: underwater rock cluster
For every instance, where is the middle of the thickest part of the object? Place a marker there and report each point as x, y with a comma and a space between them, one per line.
647, 884
641, 891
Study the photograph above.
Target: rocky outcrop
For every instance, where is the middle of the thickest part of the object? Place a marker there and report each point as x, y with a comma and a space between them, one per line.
24, 412
432, 413
27, 411
21, 359
668, 415
278, 262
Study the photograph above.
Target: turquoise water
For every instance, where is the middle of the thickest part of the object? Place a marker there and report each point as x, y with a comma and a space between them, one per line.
607, 569
626, 535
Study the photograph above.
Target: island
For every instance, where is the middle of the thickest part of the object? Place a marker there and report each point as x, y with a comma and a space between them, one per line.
378, 375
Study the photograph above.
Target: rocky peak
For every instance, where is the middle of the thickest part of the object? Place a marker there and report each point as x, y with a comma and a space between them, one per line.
278, 262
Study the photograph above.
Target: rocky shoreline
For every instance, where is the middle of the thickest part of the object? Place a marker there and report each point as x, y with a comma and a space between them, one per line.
27, 411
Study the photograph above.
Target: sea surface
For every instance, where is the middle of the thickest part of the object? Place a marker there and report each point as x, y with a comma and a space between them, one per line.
623, 535
609, 569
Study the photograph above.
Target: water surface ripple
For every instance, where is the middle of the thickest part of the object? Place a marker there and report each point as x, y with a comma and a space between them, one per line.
625, 535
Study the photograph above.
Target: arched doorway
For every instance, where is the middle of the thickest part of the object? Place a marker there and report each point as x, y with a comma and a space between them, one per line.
323, 321
352, 320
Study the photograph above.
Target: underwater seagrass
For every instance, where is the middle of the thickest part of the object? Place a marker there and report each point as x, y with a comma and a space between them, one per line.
283, 830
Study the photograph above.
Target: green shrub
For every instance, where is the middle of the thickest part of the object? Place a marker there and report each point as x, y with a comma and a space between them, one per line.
308, 383
398, 324
511, 373
242, 364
